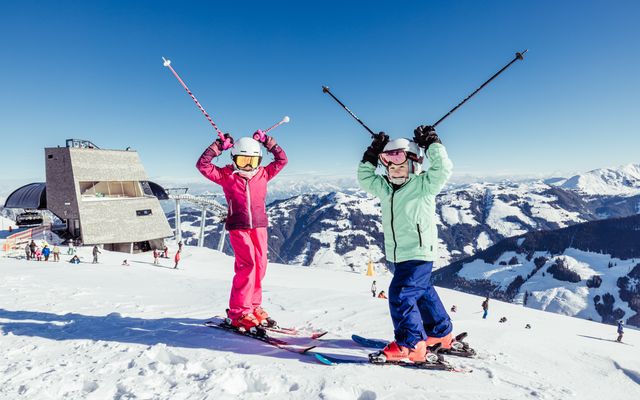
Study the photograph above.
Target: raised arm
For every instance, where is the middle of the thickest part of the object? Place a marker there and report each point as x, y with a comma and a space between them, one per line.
367, 177
280, 157
204, 165
440, 166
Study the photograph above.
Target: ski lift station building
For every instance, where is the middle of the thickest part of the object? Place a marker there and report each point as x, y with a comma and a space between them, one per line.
104, 197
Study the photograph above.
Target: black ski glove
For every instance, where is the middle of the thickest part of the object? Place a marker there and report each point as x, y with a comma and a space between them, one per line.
377, 145
425, 136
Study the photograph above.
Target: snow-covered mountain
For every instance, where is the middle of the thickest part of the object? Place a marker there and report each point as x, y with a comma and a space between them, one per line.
343, 229
620, 181
284, 187
108, 331
589, 270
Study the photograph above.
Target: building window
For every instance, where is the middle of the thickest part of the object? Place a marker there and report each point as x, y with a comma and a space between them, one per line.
90, 190
141, 213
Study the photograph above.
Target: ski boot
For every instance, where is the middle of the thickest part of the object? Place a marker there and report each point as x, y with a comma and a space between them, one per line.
245, 323
445, 341
453, 346
395, 354
263, 318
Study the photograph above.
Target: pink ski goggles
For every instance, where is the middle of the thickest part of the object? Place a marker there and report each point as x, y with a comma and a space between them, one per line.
396, 157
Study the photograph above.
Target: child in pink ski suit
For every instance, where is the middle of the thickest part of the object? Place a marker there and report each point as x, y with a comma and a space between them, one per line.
245, 188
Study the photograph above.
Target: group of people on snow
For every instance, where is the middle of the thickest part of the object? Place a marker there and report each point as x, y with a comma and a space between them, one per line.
164, 253
42, 252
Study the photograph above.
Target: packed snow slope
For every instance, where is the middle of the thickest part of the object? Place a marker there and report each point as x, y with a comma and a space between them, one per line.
109, 331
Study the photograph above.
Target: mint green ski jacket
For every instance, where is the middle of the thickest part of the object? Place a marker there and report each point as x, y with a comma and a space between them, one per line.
409, 212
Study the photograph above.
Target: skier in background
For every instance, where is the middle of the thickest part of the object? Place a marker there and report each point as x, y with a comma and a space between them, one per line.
382, 295
56, 253
46, 251
485, 308
96, 251
33, 246
374, 289
176, 259
244, 183
620, 332
155, 256
408, 197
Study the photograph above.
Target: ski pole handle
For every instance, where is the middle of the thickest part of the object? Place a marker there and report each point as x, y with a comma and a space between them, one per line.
519, 56
325, 89
259, 136
225, 141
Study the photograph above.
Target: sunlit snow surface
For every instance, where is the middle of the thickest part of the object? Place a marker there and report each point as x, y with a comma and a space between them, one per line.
109, 331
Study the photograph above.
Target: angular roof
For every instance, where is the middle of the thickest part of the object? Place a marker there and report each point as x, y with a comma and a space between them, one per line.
32, 196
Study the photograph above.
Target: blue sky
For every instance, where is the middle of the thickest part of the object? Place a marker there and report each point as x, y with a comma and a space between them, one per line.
93, 70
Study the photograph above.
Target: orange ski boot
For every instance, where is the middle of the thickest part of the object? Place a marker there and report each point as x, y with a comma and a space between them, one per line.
445, 341
245, 323
393, 352
263, 317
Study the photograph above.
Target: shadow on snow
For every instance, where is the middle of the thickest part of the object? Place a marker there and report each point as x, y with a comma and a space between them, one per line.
174, 332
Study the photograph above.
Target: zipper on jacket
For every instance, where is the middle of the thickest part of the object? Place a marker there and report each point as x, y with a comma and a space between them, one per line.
419, 234
246, 185
393, 231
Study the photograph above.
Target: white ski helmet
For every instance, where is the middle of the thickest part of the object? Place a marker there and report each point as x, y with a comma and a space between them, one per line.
246, 146
415, 153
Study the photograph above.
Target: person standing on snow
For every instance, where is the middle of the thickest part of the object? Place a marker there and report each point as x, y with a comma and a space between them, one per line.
244, 183
155, 256
33, 246
620, 332
56, 253
176, 259
485, 308
408, 198
374, 289
27, 251
96, 251
46, 251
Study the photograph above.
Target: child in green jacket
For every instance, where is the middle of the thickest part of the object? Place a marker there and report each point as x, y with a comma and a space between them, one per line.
408, 200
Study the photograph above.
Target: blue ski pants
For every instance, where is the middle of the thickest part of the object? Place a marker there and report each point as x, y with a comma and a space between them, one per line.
416, 309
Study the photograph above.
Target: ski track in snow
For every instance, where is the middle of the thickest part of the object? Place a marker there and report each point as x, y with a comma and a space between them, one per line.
108, 331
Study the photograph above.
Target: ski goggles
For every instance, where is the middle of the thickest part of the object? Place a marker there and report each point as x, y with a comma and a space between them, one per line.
397, 157
244, 161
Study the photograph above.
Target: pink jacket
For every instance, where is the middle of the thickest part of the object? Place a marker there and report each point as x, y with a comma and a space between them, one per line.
246, 198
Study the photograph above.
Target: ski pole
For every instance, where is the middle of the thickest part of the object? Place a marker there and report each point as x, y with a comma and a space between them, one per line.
325, 89
259, 135
283, 121
226, 143
519, 56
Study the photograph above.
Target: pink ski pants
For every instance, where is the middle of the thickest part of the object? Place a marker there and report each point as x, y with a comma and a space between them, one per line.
250, 248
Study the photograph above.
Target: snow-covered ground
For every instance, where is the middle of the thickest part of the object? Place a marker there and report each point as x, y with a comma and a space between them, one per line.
109, 331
